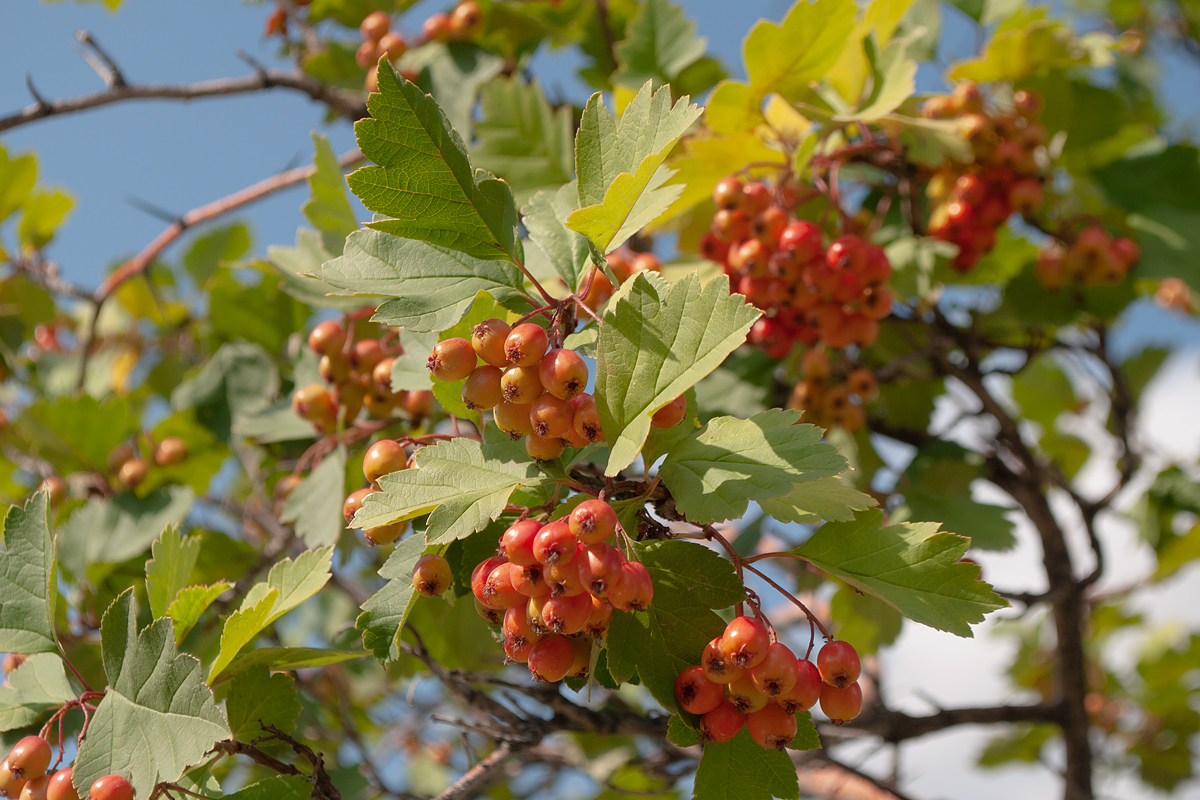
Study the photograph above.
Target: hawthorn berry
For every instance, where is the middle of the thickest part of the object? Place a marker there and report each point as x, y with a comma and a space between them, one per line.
583, 657
487, 339
170, 451
313, 403
564, 373
29, 758
587, 419
466, 20
132, 473
600, 568
481, 390
393, 44
862, 383
354, 502
383, 458
634, 590
745, 642
592, 521
10, 784
385, 534
551, 416
375, 25
493, 616
513, 419
695, 693
327, 338
498, 589
531, 581
722, 723
567, 614
526, 344
801, 238
554, 544
772, 727
841, 704
671, 414
520, 386
436, 27
334, 368
727, 194
717, 668
806, 691
518, 628
55, 488
452, 359
479, 577
564, 579
517, 542
35, 788
551, 658
431, 575
777, 673
597, 622
839, 663
543, 448
60, 787
745, 696
381, 376
111, 787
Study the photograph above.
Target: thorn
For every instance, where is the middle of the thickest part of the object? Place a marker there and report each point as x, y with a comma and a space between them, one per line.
153, 210
41, 101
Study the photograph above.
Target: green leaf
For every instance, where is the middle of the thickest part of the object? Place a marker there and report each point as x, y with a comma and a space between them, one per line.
383, 615
1043, 391
656, 342
1024, 743
660, 642
35, 687
985, 524
239, 380
206, 253
172, 557
42, 213
909, 566
616, 163
545, 217
1031, 49
257, 699
157, 717
27, 580
288, 584
410, 370
432, 286
190, 603
424, 180
17, 178
1165, 178
455, 482
811, 502
660, 43
454, 73
1170, 240
109, 531
328, 209
286, 659
894, 75
315, 507
78, 432
277, 787
296, 266
521, 139
1178, 553
741, 770
715, 472
862, 620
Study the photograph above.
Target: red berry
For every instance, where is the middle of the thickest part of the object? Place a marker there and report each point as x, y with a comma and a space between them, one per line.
806, 691
745, 642
695, 693
1028, 102
751, 258
771, 336
29, 757
431, 575
592, 521
1125, 251
777, 673
551, 416
530, 581
436, 27
597, 622
722, 723
498, 589
543, 448
730, 226
10, 785
493, 616
327, 338
768, 225
803, 239
634, 590
487, 339
517, 542
111, 787
847, 253
480, 575
383, 458
551, 658
583, 657
772, 727
727, 193
564, 373
170, 451
1026, 196
645, 262
481, 390
526, 344
600, 568
520, 630
712, 248
452, 360
554, 544
513, 419
841, 705
520, 386
374, 25
132, 473
587, 419
393, 44
756, 197
366, 355
878, 269
36, 788
353, 503
60, 787
567, 614
839, 664
671, 414
745, 696
717, 667
563, 579
385, 534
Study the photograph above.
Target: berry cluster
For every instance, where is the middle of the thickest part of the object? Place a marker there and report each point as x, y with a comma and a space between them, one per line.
810, 293
26, 774
360, 374
624, 263
1095, 258
828, 395
382, 458
553, 586
463, 23
971, 203
745, 678
532, 390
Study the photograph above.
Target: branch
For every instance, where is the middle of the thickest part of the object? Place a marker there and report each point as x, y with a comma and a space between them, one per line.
479, 777
341, 103
896, 726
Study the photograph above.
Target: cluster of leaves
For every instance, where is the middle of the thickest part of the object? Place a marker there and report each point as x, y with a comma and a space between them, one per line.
490, 202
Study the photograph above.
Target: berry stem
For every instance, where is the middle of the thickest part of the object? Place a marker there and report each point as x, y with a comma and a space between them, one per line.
812, 618
541, 290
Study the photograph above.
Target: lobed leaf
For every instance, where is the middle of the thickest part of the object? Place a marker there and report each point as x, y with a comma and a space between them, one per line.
27, 579
315, 506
